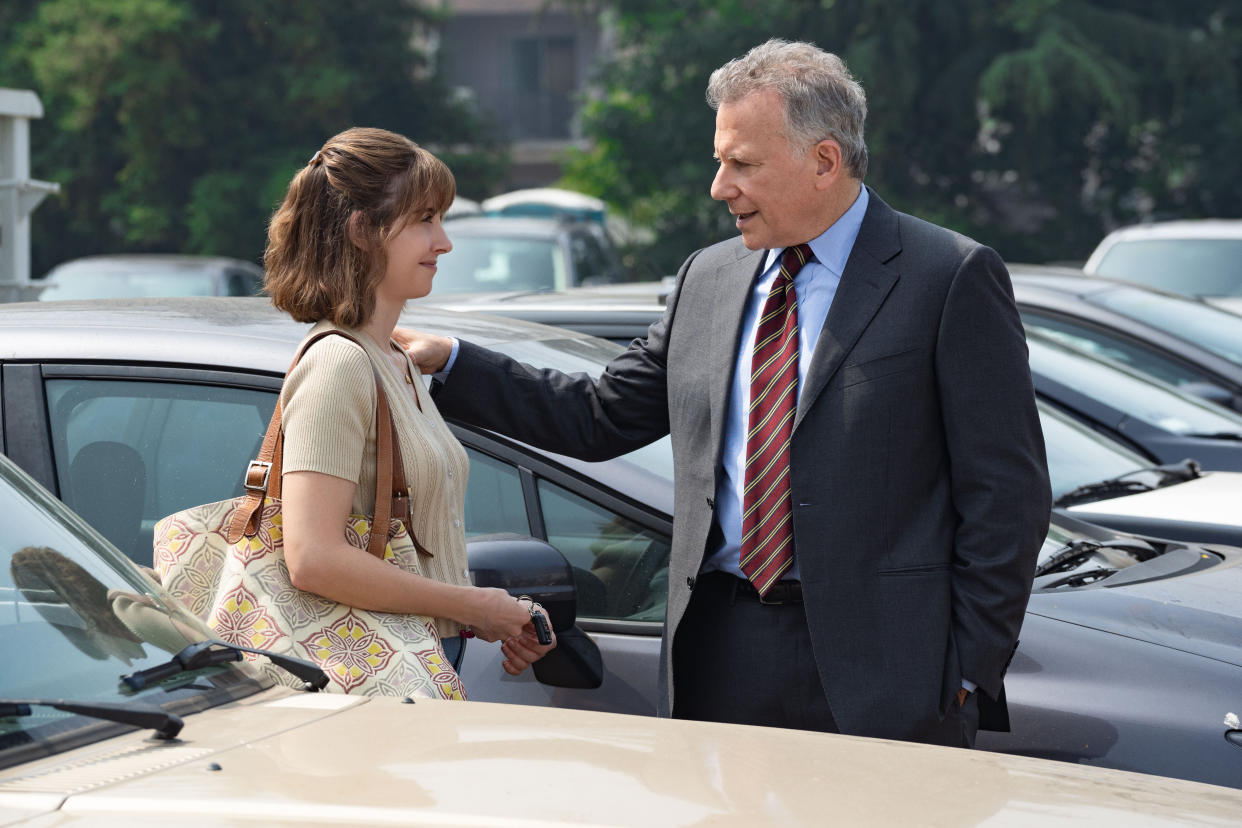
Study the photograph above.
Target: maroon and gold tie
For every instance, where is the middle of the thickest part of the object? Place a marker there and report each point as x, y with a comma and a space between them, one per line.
767, 510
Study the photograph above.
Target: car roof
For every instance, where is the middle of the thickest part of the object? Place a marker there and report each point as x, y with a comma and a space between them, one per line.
1180, 229
153, 261
508, 226
227, 332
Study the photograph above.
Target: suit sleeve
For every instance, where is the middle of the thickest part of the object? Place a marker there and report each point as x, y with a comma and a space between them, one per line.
626, 408
998, 470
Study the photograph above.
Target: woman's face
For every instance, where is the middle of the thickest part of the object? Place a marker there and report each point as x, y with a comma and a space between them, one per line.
412, 255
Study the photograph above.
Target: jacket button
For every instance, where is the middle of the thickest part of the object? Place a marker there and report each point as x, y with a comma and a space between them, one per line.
690, 583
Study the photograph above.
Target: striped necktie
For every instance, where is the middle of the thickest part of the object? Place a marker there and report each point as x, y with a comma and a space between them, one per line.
767, 510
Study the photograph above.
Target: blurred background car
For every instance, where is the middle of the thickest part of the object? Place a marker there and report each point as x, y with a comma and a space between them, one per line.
152, 274
204, 739
1182, 341
1201, 257
494, 253
546, 202
1131, 654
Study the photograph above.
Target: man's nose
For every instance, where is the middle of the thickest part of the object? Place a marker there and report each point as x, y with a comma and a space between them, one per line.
723, 188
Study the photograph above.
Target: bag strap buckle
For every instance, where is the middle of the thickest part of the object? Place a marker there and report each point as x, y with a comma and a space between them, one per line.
256, 476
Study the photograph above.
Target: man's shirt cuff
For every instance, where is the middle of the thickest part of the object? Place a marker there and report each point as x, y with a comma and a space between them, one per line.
442, 374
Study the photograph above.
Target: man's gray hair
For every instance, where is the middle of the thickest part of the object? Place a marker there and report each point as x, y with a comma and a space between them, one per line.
822, 100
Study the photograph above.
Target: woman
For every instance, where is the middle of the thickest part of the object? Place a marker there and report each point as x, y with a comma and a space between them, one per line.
358, 234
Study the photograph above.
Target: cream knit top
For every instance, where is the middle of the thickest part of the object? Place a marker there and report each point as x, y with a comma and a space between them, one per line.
328, 403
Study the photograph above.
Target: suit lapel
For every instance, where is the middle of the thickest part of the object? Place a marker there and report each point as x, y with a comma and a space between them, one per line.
865, 284
733, 284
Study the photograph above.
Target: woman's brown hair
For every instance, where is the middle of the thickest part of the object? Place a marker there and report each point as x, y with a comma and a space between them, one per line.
325, 243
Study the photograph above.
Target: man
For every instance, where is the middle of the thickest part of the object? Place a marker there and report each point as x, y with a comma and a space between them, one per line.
860, 479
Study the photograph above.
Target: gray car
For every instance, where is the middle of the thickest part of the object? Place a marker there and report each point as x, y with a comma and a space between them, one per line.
1131, 653
142, 275
506, 253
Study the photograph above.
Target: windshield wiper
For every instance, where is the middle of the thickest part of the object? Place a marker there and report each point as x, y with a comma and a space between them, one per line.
1074, 552
1218, 435
1123, 485
166, 725
213, 651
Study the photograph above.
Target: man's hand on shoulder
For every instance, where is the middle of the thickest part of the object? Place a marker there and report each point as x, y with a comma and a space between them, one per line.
429, 352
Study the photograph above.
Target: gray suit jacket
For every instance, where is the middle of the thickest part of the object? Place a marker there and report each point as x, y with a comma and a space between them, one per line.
919, 480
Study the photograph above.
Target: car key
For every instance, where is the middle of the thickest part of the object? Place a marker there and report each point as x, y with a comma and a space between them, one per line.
542, 631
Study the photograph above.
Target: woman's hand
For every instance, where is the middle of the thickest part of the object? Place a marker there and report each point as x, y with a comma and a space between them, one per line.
525, 650
429, 352
495, 615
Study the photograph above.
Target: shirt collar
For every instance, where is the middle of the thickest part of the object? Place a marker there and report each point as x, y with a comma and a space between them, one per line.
832, 247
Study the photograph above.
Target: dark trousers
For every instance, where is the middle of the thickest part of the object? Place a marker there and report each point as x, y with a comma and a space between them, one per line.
737, 660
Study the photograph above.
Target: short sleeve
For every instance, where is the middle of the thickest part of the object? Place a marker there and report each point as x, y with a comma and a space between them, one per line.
328, 408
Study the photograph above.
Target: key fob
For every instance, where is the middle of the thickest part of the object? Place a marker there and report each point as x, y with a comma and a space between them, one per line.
542, 631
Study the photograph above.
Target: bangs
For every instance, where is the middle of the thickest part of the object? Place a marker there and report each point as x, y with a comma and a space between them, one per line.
428, 184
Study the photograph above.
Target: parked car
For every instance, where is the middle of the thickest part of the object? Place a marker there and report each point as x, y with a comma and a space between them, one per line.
548, 202
1130, 657
1160, 421
1182, 341
1201, 257
146, 275
501, 253
191, 735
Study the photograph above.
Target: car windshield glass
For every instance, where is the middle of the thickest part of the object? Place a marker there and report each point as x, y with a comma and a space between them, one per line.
482, 263
76, 614
1210, 328
1196, 267
1078, 456
1128, 391
589, 356
92, 284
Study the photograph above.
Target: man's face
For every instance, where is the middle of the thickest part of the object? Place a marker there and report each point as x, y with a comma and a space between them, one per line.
771, 191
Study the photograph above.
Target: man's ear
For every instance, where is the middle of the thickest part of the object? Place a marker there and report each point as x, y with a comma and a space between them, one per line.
828, 163
357, 234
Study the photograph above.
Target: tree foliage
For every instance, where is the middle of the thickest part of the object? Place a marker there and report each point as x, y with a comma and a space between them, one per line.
175, 125
1033, 125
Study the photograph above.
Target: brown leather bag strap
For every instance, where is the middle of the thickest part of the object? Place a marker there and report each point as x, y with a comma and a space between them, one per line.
263, 475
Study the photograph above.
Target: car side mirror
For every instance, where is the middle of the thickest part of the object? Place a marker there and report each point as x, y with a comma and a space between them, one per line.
523, 565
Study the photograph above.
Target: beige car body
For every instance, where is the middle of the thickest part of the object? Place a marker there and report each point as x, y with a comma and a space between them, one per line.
286, 758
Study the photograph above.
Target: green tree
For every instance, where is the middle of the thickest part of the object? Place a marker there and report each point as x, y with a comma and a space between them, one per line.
174, 125
1033, 125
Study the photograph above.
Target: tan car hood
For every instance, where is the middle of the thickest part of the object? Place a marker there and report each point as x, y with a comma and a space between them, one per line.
296, 759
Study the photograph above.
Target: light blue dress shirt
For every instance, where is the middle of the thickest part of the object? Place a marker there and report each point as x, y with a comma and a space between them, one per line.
816, 286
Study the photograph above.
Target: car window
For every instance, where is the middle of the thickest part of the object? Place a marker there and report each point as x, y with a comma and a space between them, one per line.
1210, 328
1194, 267
108, 284
131, 452
620, 568
1120, 349
592, 265
238, 283
1078, 456
1128, 391
481, 263
494, 499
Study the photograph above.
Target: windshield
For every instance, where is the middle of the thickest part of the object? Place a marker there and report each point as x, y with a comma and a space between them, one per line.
76, 614
1128, 391
1196, 267
1078, 456
1210, 328
110, 284
484, 263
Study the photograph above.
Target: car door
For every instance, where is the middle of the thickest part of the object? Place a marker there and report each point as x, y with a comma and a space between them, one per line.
125, 446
